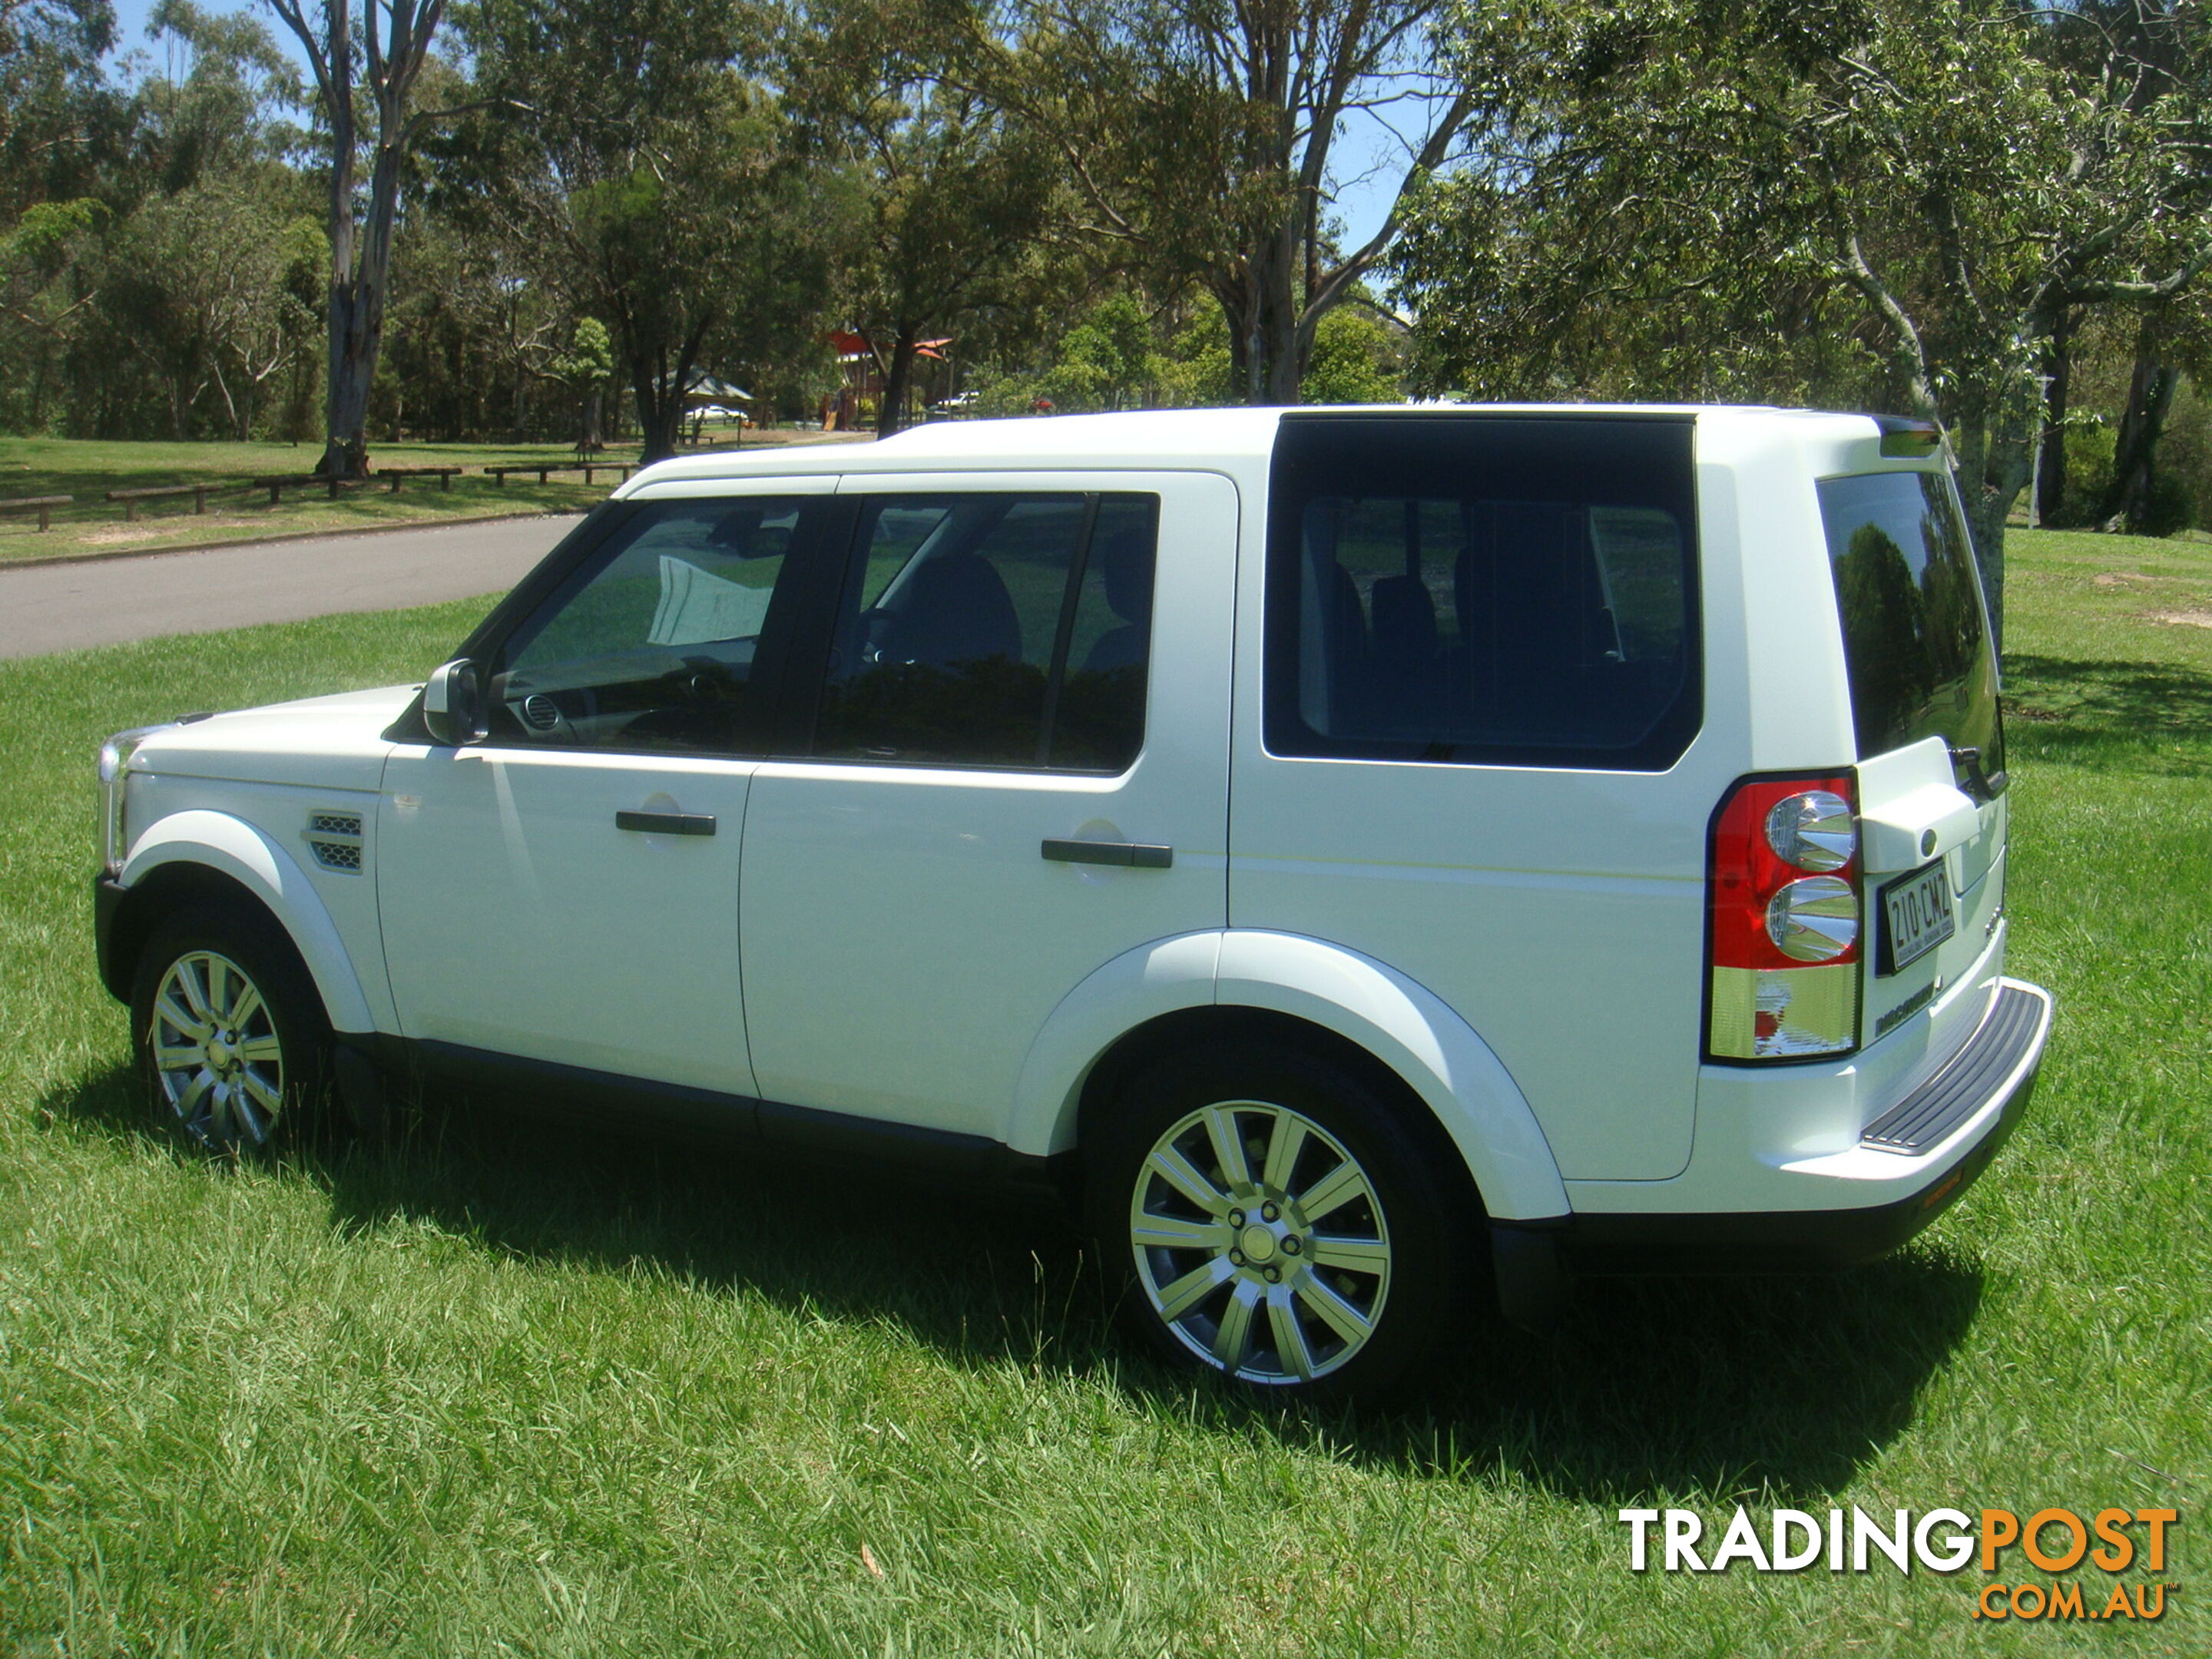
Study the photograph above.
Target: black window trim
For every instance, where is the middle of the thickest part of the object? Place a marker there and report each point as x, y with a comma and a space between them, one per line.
1660, 751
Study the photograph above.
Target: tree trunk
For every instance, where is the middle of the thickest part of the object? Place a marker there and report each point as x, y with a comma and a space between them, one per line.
2051, 472
1270, 339
2135, 450
1994, 453
897, 377
361, 256
358, 286
588, 441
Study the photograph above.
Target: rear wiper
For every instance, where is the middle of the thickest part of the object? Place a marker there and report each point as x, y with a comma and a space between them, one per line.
1984, 786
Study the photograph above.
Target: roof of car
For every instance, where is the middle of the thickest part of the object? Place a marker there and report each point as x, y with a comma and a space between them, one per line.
1147, 439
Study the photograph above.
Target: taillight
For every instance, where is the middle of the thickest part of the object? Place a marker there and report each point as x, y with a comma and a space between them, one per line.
1782, 889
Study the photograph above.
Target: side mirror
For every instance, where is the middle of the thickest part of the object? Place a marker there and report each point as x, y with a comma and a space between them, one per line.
452, 703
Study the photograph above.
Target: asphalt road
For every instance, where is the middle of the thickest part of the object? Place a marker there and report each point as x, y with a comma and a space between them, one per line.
66, 607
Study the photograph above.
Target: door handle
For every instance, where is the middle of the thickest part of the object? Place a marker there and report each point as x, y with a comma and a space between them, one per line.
668, 824
1141, 854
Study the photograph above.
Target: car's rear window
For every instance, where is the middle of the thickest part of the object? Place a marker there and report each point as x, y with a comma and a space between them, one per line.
1506, 590
1915, 641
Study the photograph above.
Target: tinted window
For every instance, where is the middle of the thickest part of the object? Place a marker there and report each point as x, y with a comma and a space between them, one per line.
1911, 602
1483, 589
1009, 630
650, 644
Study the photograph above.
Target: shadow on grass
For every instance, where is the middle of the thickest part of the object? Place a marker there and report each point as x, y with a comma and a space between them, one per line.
2105, 713
1726, 1387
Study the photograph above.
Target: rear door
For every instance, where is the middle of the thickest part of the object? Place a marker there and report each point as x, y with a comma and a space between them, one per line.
1472, 755
1016, 770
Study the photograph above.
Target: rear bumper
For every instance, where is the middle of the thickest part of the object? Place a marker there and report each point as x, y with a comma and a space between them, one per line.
1927, 1151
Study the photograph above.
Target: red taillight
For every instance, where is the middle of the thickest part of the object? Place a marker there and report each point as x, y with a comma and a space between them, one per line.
1782, 889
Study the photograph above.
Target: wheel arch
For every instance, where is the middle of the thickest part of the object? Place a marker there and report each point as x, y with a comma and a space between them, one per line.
1283, 987
207, 854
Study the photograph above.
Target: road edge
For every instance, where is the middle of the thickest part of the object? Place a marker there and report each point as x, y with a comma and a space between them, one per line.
47, 560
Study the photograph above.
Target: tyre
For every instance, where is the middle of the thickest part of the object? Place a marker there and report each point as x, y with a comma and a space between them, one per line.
230, 1034
1277, 1221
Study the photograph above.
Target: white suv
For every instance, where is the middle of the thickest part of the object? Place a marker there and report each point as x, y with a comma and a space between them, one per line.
1352, 852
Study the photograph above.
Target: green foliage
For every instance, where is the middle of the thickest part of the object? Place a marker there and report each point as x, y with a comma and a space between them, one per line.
655, 188
1112, 356
590, 357
1355, 361
1196, 143
1897, 197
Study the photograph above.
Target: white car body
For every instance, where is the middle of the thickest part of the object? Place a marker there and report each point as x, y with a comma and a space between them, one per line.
866, 948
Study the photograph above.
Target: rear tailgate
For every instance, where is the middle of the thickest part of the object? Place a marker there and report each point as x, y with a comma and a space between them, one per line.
1931, 741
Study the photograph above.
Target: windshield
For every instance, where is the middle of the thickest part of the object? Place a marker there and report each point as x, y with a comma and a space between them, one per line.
1911, 601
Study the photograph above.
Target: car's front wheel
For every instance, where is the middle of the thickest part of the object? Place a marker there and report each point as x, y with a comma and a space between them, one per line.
231, 1037
1277, 1221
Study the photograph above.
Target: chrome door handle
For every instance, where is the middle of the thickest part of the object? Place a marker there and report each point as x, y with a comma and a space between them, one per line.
1141, 854
668, 824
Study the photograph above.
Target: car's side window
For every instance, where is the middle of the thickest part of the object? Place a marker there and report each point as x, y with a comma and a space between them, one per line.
998, 630
651, 643
1516, 592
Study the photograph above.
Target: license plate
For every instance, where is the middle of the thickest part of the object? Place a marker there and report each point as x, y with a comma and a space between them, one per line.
1917, 916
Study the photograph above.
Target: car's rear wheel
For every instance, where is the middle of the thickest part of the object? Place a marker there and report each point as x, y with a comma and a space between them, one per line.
1276, 1219
231, 1037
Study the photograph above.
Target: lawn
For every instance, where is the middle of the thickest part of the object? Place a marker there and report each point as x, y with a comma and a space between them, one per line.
504, 1392
88, 470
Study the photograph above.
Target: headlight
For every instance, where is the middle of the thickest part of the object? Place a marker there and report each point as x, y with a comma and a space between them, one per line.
114, 763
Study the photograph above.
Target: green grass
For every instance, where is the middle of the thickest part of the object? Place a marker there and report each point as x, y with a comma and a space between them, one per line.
502, 1392
88, 470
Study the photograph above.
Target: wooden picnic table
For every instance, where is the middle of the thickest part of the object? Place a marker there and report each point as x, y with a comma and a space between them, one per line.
41, 505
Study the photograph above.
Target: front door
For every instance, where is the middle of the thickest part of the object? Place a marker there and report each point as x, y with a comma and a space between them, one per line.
1016, 772
566, 889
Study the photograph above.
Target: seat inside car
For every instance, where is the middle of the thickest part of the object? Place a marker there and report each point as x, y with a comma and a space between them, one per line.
955, 608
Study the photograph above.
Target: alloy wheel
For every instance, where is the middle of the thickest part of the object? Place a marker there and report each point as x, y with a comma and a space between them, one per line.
216, 1052
1260, 1242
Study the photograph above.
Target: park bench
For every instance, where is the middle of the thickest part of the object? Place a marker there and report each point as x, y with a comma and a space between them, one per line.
131, 498
444, 475
41, 505
588, 468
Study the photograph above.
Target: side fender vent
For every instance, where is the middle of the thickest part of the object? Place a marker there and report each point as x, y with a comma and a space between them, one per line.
334, 840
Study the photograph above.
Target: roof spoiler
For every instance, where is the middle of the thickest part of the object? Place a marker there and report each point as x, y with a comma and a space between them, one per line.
1909, 436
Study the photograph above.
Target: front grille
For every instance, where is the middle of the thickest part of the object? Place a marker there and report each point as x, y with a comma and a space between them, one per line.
1964, 1085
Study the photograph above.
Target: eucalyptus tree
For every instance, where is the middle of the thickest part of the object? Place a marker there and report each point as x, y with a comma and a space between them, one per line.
949, 194
365, 82
56, 107
1936, 175
660, 181
1203, 141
